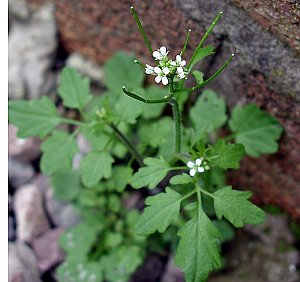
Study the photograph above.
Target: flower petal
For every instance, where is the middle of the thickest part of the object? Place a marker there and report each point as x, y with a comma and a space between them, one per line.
165, 80
173, 63
190, 164
178, 59
156, 55
179, 70
200, 169
157, 70
198, 162
163, 50
157, 79
193, 172
166, 70
182, 63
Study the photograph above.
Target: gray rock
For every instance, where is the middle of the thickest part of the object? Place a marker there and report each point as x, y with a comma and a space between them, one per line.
19, 173
86, 67
47, 250
30, 215
11, 229
258, 50
19, 9
172, 273
31, 47
61, 213
22, 264
22, 149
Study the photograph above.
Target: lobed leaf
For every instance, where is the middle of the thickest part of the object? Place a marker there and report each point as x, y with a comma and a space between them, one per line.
151, 174
94, 167
209, 111
255, 129
33, 118
198, 250
226, 155
58, 152
236, 208
73, 89
201, 54
162, 209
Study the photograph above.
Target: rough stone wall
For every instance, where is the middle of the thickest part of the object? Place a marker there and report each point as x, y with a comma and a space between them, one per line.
265, 35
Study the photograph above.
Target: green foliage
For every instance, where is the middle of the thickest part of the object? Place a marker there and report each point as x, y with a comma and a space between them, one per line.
255, 129
74, 90
154, 172
94, 167
36, 117
236, 208
161, 211
58, 152
198, 251
132, 146
209, 110
226, 155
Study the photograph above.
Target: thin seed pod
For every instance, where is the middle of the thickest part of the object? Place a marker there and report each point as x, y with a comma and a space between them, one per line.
142, 31
139, 98
209, 79
204, 38
185, 43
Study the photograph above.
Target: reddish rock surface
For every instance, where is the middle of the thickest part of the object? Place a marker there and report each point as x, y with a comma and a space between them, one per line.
266, 71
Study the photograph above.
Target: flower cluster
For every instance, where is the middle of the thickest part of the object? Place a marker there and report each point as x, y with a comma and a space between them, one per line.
198, 166
165, 67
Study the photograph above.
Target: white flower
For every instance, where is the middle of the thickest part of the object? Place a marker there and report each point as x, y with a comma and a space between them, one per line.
160, 53
180, 72
161, 75
149, 69
195, 166
179, 61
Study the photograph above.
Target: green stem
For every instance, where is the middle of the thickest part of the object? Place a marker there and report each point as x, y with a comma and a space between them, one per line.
189, 194
139, 98
185, 43
177, 122
128, 144
179, 168
199, 189
209, 79
204, 38
142, 31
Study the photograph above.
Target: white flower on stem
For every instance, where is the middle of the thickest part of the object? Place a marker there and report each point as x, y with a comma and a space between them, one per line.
160, 53
161, 75
149, 69
179, 61
180, 72
195, 166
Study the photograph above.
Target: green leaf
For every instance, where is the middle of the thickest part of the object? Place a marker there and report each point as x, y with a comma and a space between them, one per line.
226, 155
122, 176
121, 70
201, 54
76, 269
151, 174
120, 263
65, 184
73, 89
198, 76
236, 208
255, 129
226, 230
94, 167
128, 109
181, 179
198, 253
209, 110
152, 92
36, 117
162, 209
58, 152
78, 240
113, 239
